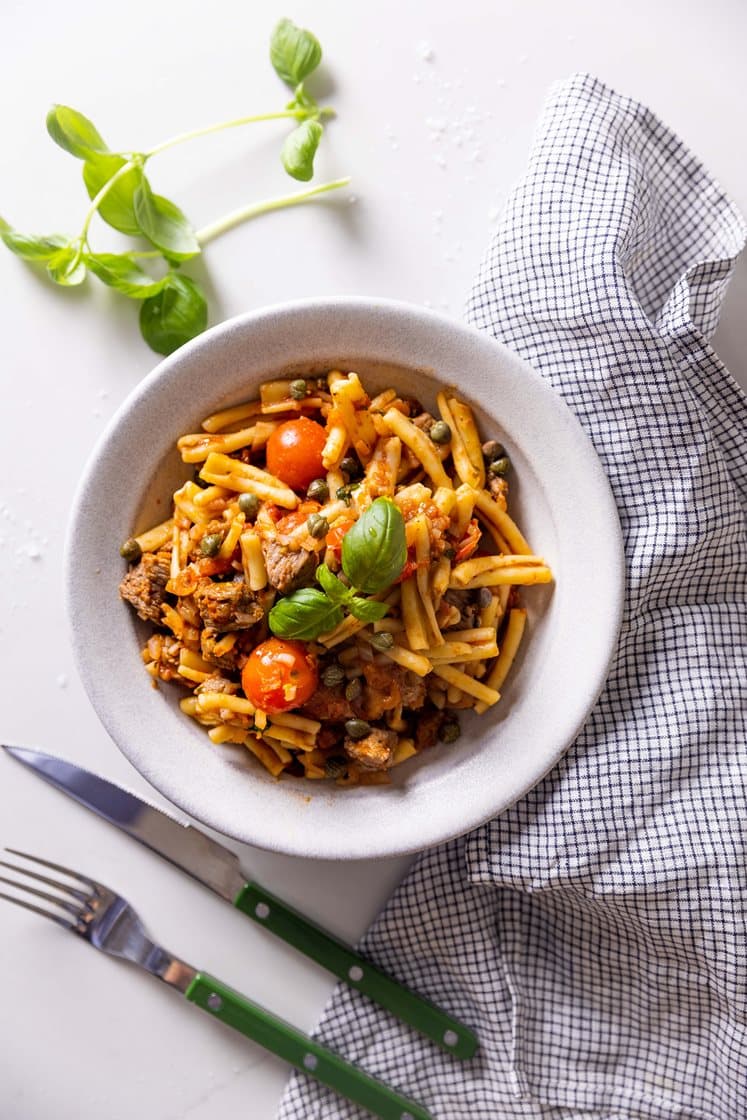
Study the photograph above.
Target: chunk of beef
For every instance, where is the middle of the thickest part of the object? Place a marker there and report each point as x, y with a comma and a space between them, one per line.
382, 691
329, 704
208, 641
144, 586
227, 606
428, 727
498, 488
388, 686
375, 751
287, 570
424, 421
412, 688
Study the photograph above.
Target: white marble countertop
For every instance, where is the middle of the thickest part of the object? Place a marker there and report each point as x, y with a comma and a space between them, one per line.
436, 104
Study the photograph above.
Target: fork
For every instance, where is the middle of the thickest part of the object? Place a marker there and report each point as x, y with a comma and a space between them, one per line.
106, 920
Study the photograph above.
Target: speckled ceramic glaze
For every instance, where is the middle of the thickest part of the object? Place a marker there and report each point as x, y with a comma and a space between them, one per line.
560, 498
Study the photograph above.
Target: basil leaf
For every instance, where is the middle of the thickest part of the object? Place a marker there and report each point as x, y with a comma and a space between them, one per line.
121, 271
164, 224
66, 267
305, 614
367, 610
173, 316
29, 247
335, 589
374, 550
117, 206
294, 52
74, 132
300, 148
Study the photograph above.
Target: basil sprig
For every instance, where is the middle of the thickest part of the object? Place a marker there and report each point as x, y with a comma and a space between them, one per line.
173, 306
374, 552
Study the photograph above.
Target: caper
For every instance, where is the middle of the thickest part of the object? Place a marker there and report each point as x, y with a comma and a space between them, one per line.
249, 504
350, 466
318, 490
333, 675
131, 551
449, 730
298, 389
336, 766
345, 493
484, 597
450, 553
440, 432
353, 689
317, 526
382, 641
210, 544
500, 467
492, 450
357, 728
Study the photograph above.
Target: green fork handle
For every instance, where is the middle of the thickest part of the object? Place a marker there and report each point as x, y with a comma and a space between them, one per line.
294, 1047
339, 959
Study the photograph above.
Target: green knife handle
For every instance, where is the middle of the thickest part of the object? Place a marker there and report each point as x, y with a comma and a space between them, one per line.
356, 971
294, 1047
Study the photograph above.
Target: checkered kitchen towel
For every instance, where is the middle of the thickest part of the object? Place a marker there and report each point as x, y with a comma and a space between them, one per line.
595, 933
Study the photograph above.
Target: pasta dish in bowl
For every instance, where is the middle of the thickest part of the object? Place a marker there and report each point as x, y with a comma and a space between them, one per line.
337, 580
372, 578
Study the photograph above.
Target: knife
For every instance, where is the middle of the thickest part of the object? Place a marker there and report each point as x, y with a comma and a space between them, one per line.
218, 868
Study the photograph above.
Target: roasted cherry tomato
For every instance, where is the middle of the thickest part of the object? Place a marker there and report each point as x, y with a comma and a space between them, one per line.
294, 452
279, 675
335, 536
469, 542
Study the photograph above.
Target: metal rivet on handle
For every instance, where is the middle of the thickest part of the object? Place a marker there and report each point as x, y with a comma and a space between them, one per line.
262, 910
310, 1061
355, 972
450, 1038
214, 1001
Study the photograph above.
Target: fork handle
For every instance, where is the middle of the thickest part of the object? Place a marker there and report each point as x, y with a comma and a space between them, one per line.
299, 1050
339, 959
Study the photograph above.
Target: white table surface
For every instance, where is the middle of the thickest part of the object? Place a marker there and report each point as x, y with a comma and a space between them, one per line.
436, 104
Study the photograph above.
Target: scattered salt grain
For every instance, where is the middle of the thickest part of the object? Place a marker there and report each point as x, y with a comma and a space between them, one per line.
33, 552
61, 681
425, 51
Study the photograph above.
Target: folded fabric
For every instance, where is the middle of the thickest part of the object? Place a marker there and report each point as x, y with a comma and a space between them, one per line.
594, 934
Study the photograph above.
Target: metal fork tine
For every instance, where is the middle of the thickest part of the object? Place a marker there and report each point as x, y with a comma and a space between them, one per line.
93, 886
71, 907
81, 895
38, 910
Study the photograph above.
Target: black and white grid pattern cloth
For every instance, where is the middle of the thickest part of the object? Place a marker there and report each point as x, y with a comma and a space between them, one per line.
595, 934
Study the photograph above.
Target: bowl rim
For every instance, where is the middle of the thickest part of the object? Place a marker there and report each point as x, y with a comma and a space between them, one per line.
612, 574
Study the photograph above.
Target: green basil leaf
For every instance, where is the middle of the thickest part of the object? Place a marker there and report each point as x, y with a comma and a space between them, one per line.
66, 267
367, 610
30, 247
374, 550
74, 132
173, 316
294, 52
164, 224
121, 271
117, 207
335, 589
305, 614
300, 148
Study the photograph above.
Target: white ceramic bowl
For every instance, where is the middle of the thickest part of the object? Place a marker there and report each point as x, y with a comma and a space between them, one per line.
560, 498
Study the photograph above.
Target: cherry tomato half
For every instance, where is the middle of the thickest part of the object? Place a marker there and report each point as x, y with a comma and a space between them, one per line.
336, 535
279, 675
294, 452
